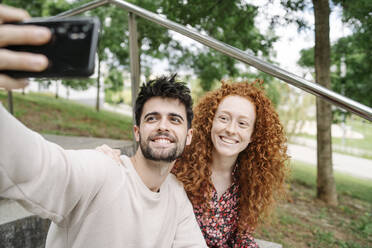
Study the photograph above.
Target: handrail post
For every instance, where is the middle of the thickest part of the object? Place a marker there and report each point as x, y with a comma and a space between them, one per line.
134, 64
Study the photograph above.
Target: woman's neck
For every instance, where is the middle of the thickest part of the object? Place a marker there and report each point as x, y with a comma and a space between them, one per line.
222, 168
223, 164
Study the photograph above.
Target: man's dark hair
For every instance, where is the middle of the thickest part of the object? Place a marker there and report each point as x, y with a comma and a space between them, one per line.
166, 87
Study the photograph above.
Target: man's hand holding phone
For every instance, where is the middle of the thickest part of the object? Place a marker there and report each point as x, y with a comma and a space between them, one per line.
19, 35
45, 47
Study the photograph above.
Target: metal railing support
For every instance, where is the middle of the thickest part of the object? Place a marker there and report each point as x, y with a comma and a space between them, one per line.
134, 63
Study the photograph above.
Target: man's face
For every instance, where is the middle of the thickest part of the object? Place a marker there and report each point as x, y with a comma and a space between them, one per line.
163, 132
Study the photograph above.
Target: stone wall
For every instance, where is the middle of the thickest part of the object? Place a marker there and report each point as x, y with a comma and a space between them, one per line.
28, 232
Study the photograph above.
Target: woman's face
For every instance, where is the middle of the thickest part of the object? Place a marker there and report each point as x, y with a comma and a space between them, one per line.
233, 126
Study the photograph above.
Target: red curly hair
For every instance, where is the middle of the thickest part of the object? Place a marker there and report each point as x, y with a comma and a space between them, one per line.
261, 166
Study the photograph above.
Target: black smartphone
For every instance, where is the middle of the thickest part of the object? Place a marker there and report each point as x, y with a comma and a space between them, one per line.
71, 50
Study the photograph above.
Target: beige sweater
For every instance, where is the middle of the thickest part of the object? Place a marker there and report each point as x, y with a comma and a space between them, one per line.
91, 200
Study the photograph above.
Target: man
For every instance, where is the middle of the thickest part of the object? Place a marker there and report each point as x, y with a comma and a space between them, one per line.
92, 201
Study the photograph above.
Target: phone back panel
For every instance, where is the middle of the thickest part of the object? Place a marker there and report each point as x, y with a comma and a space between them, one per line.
71, 50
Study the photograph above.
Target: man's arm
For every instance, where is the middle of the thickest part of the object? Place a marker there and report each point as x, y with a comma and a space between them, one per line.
44, 178
188, 233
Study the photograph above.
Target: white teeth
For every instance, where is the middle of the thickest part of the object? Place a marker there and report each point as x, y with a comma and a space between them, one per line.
229, 141
163, 141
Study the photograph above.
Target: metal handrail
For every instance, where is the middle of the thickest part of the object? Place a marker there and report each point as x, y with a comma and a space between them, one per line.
313, 88
81, 9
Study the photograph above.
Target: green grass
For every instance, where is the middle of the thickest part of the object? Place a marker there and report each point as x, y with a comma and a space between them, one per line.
361, 126
305, 221
46, 114
345, 184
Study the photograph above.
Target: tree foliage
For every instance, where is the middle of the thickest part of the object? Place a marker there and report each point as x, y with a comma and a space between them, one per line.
114, 40
351, 56
351, 69
356, 51
231, 22
78, 84
293, 15
114, 80
113, 86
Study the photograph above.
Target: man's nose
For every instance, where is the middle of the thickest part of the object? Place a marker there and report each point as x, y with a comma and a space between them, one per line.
163, 124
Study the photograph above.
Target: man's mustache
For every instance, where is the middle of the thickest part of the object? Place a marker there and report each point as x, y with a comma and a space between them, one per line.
162, 134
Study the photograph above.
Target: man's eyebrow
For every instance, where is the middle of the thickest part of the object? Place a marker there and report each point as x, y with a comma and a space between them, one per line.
151, 113
177, 115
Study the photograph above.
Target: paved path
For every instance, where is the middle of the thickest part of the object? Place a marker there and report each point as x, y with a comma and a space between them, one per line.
359, 167
72, 142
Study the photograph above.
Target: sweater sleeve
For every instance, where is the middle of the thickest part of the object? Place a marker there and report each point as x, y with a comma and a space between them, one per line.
44, 178
188, 233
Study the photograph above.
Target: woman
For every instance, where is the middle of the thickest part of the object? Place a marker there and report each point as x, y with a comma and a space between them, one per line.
235, 163
234, 168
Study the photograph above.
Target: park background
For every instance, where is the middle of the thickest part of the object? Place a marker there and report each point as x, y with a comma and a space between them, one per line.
281, 32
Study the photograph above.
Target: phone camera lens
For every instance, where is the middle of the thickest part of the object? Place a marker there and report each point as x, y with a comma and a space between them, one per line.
77, 36
75, 29
86, 28
61, 30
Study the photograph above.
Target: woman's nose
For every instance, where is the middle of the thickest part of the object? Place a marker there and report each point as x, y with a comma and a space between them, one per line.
231, 127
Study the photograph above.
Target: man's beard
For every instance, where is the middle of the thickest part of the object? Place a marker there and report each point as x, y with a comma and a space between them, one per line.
164, 156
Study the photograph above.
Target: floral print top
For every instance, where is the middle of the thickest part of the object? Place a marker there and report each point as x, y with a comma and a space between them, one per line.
220, 227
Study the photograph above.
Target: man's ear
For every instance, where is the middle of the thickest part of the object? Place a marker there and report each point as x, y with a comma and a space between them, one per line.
136, 132
189, 136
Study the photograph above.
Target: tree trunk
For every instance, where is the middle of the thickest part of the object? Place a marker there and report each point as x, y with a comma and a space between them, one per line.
326, 188
57, 89
10, 102
98, 84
